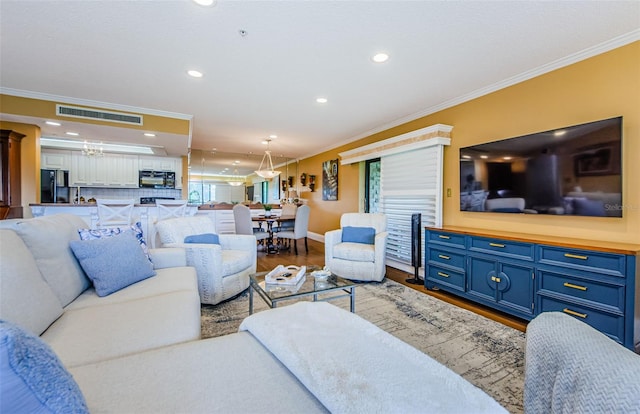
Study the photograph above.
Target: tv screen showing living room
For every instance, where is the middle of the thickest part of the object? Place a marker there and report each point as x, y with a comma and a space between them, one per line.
575, 170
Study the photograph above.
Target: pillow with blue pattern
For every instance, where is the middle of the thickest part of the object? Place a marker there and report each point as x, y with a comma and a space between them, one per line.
112, 263
93, 234
205, 238
33, 378
365, 235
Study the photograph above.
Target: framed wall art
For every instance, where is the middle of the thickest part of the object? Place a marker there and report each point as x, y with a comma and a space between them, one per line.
330, 180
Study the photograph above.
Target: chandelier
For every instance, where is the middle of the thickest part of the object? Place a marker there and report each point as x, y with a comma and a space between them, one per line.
271, 172
92, 150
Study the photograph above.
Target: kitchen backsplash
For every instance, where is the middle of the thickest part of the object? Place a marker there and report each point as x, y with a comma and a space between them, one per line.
135, 193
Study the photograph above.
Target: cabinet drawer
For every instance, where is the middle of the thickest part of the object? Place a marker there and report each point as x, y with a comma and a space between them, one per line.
439, 256
608, 323
446, 277
589, 260
600, 293
448, 239
516, 250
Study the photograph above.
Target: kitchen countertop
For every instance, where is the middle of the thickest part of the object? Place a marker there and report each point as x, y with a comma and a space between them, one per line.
87, 205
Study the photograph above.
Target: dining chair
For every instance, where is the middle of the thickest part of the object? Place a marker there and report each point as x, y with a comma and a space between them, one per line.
300, 229
114, 212
288, 210
244, 224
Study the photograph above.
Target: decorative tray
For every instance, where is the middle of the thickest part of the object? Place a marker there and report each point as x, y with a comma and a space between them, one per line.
289, 275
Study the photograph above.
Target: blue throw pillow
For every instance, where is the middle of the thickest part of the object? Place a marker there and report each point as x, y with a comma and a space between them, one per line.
112, 263
365, 235
93, 234
33, 380
206, 238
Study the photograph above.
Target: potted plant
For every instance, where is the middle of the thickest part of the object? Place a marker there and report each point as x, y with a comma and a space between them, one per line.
267, 210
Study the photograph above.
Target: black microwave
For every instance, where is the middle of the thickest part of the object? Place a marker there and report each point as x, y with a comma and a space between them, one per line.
157, 179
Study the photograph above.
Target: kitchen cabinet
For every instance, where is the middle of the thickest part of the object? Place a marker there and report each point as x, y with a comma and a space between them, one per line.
158, 163
122, 170
10, 181
524, 275
55, 160
88, 171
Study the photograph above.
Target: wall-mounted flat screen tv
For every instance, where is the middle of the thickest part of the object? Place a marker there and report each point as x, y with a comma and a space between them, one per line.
574, 171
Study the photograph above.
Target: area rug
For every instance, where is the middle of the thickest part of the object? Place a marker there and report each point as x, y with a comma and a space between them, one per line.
484, 352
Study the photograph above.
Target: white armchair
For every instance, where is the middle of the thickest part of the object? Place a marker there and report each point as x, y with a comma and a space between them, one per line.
223, 269
357, 260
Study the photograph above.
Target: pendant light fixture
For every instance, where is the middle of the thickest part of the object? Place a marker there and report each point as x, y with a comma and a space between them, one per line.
237, 181
270, 172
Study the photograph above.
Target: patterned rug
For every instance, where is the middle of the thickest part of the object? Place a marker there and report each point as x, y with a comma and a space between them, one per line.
486, 353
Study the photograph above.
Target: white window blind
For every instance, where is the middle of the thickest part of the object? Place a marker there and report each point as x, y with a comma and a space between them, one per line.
411, 182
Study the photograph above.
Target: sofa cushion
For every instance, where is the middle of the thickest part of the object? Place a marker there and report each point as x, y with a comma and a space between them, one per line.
48, 238
98, 333
25, 298
114, 262
365, 235
357, 252
206, 238
33, 379
165, 281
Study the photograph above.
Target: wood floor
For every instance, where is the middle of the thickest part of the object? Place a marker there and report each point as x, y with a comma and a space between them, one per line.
315, 256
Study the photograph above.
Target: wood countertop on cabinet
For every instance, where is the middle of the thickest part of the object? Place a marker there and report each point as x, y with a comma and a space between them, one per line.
604, 246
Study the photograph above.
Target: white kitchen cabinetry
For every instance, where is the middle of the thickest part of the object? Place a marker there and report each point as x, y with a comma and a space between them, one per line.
88, 171
55, 160
110, 170
122, 170
157, 163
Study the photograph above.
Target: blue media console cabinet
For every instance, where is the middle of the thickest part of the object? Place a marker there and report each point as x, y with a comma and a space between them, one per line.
524, 275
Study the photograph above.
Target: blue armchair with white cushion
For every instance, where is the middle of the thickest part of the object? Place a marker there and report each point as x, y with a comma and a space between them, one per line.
223, 262
356, 251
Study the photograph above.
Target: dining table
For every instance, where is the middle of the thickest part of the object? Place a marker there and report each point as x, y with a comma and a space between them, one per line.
271, 247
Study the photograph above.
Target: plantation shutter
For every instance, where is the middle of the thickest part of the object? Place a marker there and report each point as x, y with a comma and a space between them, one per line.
411, 182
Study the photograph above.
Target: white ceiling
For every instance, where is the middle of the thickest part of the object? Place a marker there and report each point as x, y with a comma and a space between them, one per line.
136, 54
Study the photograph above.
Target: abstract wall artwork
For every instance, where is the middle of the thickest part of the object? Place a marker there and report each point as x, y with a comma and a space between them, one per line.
330, 180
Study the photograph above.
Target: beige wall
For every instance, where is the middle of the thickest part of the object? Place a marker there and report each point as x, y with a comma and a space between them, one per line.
601, 87
29, 163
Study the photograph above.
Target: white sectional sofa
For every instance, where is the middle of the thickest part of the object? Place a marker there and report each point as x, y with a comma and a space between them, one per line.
45, 290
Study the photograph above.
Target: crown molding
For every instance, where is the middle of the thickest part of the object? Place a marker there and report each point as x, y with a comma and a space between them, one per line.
96, 104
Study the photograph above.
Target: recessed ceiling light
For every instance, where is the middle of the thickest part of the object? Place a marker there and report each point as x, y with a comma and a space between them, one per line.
321, 100
52, 123
484, 157
560, 132
149, 134
194, 73
380, 57
73, 134
205, 2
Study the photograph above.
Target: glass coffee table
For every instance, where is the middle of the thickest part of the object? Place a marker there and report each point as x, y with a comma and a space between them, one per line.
333, 288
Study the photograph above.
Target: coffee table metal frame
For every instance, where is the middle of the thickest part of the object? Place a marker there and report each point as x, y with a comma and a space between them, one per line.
310, 287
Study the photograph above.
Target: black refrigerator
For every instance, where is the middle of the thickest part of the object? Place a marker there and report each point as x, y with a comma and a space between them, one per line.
54, 186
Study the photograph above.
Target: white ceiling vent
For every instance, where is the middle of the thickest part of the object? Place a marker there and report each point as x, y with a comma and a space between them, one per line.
94, 114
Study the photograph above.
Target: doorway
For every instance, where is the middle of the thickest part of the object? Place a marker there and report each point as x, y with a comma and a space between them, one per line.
372, 186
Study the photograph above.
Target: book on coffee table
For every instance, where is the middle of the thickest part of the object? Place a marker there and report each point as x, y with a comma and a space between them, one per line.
285, 275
